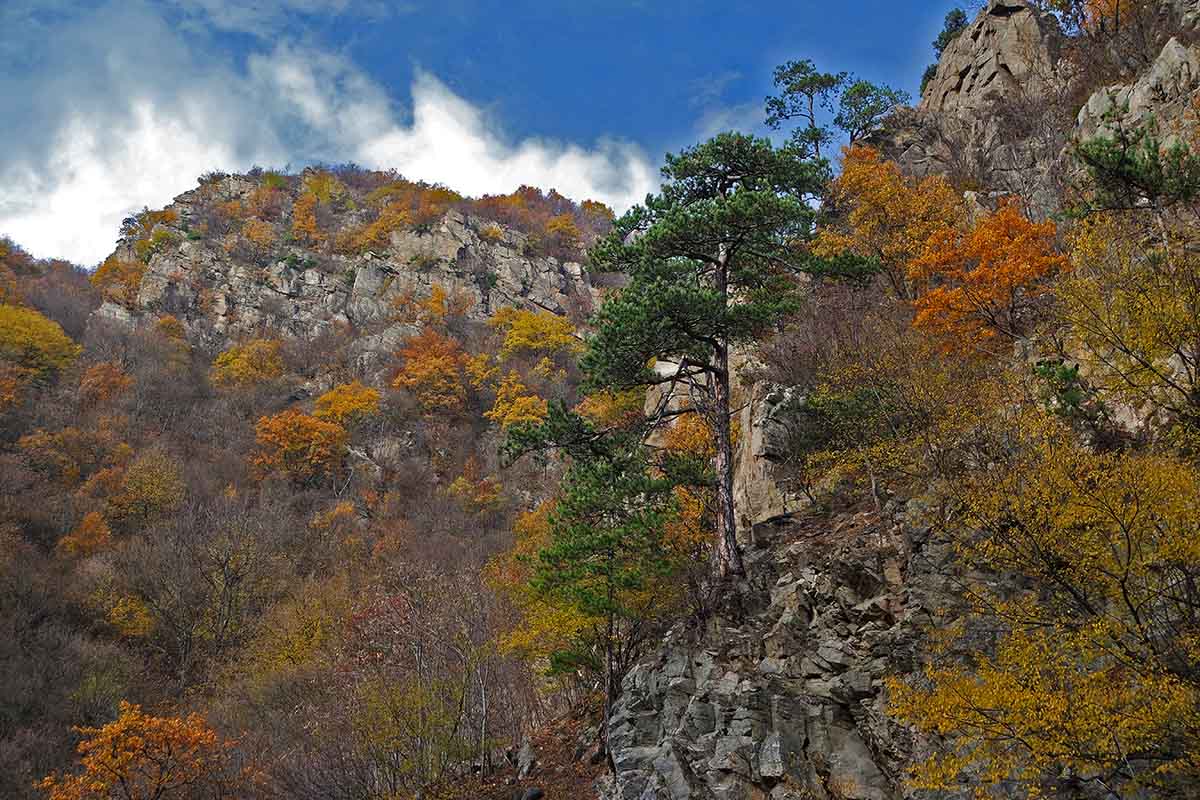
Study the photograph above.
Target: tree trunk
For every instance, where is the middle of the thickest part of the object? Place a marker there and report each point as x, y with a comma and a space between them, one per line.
728, 557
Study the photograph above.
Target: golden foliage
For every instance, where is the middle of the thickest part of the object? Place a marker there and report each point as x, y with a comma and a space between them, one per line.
481, 370
325, 186
534, 332
297, 445
1101, 670
435, 310
151, 488
33, 343
476, 492
102, 383
254, 363
142, 757
304, 219
377, 235
89, 537
119, 280
491, 233
888, 216
130, 617
347, 403
260, 234
433, 371
516, 405
1131, 302
545, 627
32, 347
170, 327
982, 282
609, 409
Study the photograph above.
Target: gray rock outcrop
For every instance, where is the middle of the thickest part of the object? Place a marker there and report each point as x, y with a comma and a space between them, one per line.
1009, 48
990, 116
783, 694
1166, 93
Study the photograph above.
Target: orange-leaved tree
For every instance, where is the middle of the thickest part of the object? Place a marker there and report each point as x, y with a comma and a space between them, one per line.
433, 371
299, 446
985, 281
89, 537
139, 756
119, 280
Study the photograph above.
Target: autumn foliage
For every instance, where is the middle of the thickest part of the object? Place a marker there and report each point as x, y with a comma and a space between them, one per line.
298, 446
886, 215
433, 370
119, 279
139, 756
347, 403
247, 365
984, 282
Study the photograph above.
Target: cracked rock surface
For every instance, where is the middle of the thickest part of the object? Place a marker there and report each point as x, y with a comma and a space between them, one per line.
782, 695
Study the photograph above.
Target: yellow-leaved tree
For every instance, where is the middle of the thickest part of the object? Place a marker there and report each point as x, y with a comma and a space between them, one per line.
545, 626
32, 348
885, 215
347, 404
516, 405
1095, 679
534, 332
254, 363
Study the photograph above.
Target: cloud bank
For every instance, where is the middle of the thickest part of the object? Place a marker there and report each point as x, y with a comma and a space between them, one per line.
120, 107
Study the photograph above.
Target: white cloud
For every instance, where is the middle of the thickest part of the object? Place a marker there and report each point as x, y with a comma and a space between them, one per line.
106, 129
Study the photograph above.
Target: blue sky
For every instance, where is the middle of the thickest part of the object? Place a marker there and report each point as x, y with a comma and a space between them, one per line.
116, 104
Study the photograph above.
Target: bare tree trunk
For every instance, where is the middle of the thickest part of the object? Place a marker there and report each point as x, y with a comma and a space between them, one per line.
728, 557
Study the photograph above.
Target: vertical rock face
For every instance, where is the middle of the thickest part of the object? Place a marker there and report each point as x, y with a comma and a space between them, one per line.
1010, 47
782, 696
991, 115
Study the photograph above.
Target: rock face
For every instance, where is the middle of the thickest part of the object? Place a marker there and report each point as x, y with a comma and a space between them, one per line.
1165, 92
302, 295
783, 696
1009, 48
990, 115
762, 493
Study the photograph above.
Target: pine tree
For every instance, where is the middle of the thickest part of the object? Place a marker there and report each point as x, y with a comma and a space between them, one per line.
606, 554
710, 262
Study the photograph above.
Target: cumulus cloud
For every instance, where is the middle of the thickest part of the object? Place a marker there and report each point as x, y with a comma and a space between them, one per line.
119, 109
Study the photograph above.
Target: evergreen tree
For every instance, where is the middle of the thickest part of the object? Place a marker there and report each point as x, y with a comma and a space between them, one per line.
803, 92
606, 555
710, 262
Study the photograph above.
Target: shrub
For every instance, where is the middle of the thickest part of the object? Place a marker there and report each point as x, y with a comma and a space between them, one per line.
251, 364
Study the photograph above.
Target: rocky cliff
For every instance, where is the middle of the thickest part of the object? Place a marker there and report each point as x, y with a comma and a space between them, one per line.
300, 291
782, 695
